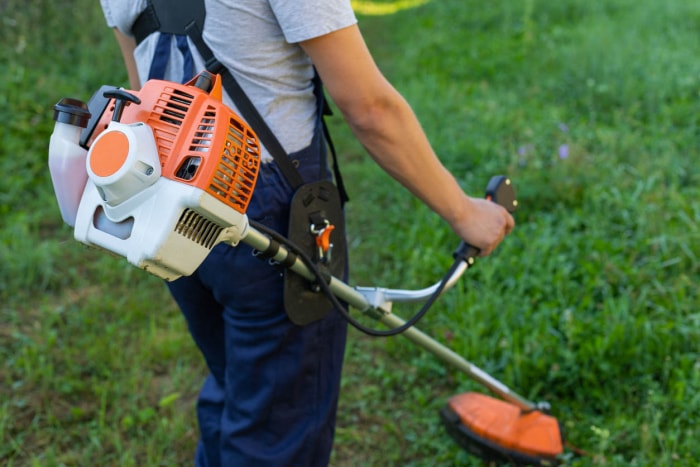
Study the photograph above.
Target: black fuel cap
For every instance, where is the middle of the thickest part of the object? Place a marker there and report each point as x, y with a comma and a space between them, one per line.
71, 111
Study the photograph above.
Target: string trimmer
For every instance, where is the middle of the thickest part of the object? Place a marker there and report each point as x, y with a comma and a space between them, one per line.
162, 175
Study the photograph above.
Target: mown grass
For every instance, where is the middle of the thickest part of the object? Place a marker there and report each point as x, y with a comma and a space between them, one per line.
591, 304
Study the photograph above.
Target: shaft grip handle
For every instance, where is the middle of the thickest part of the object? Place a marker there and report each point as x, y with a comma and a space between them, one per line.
499, 190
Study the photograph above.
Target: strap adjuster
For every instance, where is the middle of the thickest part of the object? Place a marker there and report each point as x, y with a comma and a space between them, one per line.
214, 66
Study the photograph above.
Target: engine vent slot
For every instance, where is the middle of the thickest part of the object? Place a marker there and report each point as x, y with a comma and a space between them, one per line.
198, 228
234, 178
202, 139
173, 106
166, 119
188, 168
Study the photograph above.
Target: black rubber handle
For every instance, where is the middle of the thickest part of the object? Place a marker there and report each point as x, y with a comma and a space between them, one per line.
499, 190
120, 97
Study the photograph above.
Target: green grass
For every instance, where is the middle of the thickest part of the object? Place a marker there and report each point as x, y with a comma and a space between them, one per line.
591, 304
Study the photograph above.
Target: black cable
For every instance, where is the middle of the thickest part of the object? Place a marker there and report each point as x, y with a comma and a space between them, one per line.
334, 300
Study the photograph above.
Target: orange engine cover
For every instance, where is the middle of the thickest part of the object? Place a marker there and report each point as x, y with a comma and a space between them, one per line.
200, 141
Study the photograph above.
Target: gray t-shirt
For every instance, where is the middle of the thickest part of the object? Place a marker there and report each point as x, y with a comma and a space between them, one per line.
257, 40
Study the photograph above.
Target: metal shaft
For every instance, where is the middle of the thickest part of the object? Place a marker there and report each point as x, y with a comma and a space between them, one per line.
344, 292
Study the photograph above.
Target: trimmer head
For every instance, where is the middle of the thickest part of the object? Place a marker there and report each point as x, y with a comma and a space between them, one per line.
497, 431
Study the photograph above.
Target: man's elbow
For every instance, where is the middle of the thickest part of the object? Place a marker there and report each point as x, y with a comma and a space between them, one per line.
368, 115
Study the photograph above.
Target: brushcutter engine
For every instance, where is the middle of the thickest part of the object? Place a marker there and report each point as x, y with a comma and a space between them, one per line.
158, 176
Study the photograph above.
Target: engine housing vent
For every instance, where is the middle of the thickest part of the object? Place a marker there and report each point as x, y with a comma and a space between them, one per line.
198, 228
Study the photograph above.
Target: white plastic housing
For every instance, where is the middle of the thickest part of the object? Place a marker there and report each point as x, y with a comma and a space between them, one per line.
168, 229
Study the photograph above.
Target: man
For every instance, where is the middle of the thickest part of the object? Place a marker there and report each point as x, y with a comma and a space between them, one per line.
272, 393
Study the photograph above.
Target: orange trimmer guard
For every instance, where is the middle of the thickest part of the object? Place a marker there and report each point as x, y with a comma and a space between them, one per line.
495, 430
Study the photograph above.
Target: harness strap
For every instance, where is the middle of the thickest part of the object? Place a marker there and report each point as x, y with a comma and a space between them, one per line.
168, 17
187, 58
325, 109
344, 198
160, 57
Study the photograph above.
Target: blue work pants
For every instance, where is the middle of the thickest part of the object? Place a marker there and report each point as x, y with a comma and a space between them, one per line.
271, 396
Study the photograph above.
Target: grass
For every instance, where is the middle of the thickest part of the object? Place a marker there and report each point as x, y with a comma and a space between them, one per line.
591, 304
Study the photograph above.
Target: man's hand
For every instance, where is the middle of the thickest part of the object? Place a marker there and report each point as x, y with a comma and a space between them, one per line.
484, 224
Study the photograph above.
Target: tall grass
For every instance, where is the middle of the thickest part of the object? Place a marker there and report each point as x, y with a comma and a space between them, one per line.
591, 303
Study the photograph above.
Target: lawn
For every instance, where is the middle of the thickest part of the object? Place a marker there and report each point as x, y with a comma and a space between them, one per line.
591, 304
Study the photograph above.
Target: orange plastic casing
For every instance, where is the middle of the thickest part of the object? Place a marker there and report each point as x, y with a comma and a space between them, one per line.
532, 433
201, 142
